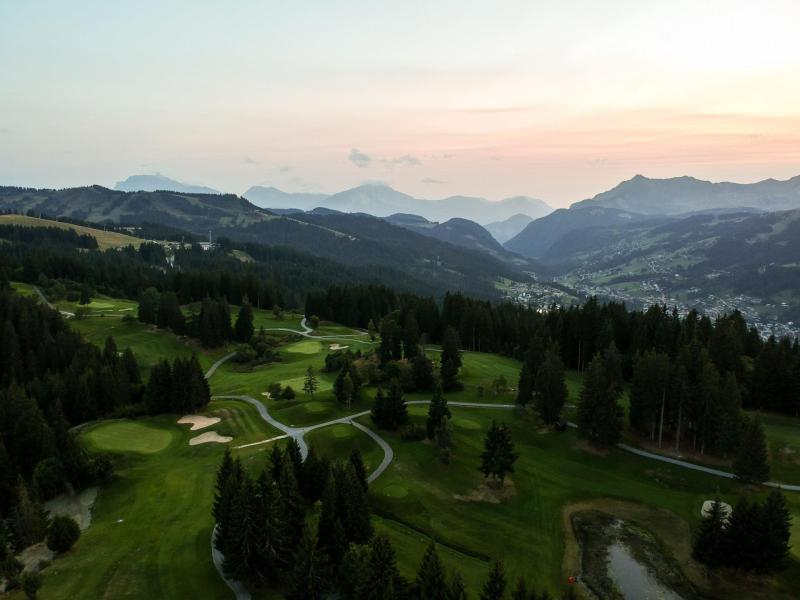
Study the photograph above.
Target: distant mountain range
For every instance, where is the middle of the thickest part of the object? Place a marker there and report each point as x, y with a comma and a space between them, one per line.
383, 201
503, 231
157, 182
427, 264
641, 199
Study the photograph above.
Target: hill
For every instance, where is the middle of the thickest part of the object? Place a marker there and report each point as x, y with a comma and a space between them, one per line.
382, 201
157, 182
105, 239
503, 231
687, 194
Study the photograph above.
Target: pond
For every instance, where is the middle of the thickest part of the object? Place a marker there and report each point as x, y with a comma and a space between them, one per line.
622, 561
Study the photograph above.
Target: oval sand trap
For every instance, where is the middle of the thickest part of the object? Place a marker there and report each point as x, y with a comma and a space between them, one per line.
209, 437
198, 421
336, 347
305, 347
395, 490
129, 436
467, 424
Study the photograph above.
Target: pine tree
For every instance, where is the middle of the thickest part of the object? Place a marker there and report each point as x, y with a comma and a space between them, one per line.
521, 591
380, 412
396, 406
451, 360
268, 532
550, 388
311, 576
243, 330
739, 536
410, 337
148, 306
28, 523
372, 330
343, 388
291, 506
495, 586
276, 463
730, 422
648, 396
357, 524
381, 580
709, 541
422, 373
314, 478
777, 525
750, 464
223, 474
359, 470
455, 588
331, 536
498, 456
431, 582
599, 414
525, 385
310, 384
437, 411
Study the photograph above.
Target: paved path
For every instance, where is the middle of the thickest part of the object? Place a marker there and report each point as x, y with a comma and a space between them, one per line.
41, 295
213, 368
306, 331
237, 587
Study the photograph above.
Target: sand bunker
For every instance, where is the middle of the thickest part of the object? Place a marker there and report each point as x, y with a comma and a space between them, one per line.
338, 347
198, 421
726, 508
78, 506
208, 437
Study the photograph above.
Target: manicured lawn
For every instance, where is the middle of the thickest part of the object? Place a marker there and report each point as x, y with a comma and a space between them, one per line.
151, 529
128, 436
783, 438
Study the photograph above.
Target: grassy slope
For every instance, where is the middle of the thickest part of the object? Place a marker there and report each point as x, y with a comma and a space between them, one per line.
416, 498
105, 239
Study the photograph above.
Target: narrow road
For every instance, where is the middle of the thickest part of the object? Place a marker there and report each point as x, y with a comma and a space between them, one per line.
41, 295
307, 333
213, 368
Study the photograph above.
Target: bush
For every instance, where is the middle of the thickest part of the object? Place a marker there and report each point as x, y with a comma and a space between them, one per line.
274, 390
82, 312
48, 477
30, 582
288, 393
129, 318
62, 534
413, 432
244, 353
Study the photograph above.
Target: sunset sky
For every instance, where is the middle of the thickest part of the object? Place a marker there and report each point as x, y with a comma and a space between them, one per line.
556, 100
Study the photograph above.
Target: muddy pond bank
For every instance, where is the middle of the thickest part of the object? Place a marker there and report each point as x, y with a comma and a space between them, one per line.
621, 561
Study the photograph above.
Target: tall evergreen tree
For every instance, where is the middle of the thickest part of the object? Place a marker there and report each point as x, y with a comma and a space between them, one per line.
498, 456
648, 396
550, 388
382, 579
599, 414
525, 385
148, 305
777, 526
410, 337
751, 462
521, 591
243, 330
495, 586
359, 470
331, 536
343, 388
311, 575
451, 360
431, 583
455, 588
709, 541
310, 383
437, 411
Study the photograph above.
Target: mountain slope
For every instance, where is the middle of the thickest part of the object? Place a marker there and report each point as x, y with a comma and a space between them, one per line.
687, 194
503, 231
154, 183
382, 201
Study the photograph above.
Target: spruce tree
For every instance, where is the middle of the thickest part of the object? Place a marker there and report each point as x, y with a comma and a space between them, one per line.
431, 582
331, 536
498, 456
521, 591
451, 360
525, 385
310, 384
599, 414
311, 575
343, 388
275, 463
495, 586
739, 550
291, 506
751, 462
422, 373
397, 409
380, 412
437, 411
28, 522
314, 476
709, 541
382, 580
455, 588
359, 470
550, 388
410, 337
243, 330
268, 532
777, 525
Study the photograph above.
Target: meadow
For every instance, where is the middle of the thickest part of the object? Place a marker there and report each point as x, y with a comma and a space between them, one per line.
152, 525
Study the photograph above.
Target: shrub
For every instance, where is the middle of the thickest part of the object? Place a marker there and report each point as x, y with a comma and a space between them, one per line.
288, 393
62, 534
30, 582
413, 432
48, 477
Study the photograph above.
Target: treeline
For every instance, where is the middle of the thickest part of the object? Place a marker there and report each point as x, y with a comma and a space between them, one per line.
179, 387
754, 537
766, 372
268, 539
51, 379
57, 235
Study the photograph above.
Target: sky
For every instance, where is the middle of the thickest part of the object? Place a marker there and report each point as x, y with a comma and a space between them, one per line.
554, 100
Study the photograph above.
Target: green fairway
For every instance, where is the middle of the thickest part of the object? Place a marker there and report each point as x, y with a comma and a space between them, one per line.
151, 527
128, 436
305, 347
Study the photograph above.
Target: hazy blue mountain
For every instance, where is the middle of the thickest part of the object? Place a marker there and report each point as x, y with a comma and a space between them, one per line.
382, 201
503, 231
686, 194
157, 182
271, 197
